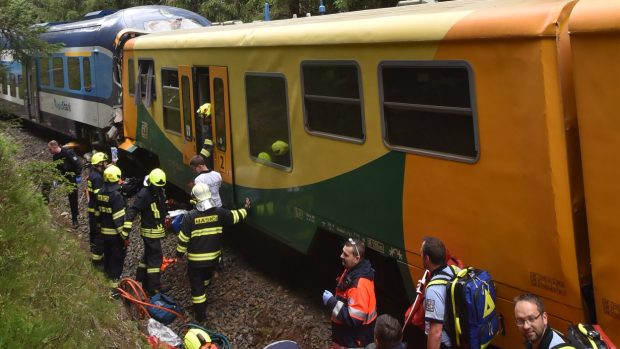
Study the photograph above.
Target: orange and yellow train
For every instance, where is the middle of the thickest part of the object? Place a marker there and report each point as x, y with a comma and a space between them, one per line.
493, 125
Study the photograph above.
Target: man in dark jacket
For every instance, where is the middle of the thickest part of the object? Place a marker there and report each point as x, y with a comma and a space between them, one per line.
354, 306
151, 204
72, 170
111, 207
201, 238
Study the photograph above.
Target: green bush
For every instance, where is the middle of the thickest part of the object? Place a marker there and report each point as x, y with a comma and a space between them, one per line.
50, 296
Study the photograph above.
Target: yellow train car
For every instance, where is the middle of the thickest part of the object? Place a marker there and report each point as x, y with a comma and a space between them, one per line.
595, 37
453, 119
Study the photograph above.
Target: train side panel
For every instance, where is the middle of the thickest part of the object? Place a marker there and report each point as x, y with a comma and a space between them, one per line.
595, 38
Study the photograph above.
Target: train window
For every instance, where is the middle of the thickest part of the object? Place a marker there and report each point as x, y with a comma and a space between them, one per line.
332, 100
187, 108
220, 113
3, 81
266, 100
146, 81
58, 72
170, 95
12, 85
428, 108
22, 82
44, 71
88, 84
73, 68
131, 76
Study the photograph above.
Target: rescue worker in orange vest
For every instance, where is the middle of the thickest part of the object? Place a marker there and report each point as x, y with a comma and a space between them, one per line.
111, 207
94, 183
354, 306
151, 204
201, 238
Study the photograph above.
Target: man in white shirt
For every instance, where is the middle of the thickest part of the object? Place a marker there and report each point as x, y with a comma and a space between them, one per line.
211, 178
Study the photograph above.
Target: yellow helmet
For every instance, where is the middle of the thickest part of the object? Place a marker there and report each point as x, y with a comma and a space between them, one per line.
204, 110
112, 174
157, 177
98, 157
279, 147
196, 338
264, 156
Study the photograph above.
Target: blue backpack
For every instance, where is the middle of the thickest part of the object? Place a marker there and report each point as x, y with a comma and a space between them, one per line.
165, 317
470, 318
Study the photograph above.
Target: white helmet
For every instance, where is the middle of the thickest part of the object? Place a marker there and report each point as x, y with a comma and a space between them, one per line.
202, 194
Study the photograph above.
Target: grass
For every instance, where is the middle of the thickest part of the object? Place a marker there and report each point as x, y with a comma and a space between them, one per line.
50, 296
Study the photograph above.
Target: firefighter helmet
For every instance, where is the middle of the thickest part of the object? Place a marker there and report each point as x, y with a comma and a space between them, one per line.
201, 192
98, 157
112, 174
196, 338
279, 147
157, 177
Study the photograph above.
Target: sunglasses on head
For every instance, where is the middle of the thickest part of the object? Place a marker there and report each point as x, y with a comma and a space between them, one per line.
352, 242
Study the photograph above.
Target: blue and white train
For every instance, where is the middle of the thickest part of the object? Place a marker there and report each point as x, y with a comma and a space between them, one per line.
76, 90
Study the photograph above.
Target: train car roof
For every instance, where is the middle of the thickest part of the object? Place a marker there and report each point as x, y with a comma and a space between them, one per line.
427, 22
102, 30
591, 16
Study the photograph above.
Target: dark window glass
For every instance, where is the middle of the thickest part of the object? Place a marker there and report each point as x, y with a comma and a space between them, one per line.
13, 84
220, 113
73, 66
4, 82
187, 112
44, 71
146, 77
59, 72
332, 103
131, 75
88, 84
266, 99
428, 109
170, 91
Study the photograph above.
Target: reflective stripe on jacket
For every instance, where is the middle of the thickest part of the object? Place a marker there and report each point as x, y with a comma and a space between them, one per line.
151, 204
111, 208
201, 234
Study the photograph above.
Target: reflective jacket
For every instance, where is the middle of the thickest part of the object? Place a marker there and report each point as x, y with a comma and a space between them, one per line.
151, 204
201, 234
111, 208
354, 307
94, 184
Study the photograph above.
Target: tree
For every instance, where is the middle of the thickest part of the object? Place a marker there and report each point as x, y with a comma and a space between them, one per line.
18, 37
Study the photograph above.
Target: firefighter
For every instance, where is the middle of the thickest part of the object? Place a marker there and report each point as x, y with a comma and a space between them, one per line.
99, 161
201, 238
71, 169
111, 208
151, 204
207, 146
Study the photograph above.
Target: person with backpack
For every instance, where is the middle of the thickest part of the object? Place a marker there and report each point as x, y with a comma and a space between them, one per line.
433, 254
71, 169
531, 320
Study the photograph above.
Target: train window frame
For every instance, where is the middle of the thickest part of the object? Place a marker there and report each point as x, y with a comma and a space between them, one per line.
44, 74
12, 84
71, 74
87, 74
58, 71
249, 112
146, 77
334, 100
3, 82
171, 75
470, 111
187, 112
131, 77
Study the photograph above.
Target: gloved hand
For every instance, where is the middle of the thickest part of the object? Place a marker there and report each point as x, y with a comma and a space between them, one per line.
126, 242
78, 179
326, 296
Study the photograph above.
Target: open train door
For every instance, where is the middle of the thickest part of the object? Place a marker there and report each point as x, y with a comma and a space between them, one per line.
186, 92
222, 147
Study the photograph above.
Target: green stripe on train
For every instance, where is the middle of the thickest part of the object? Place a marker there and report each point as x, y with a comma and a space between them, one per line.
340, 205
